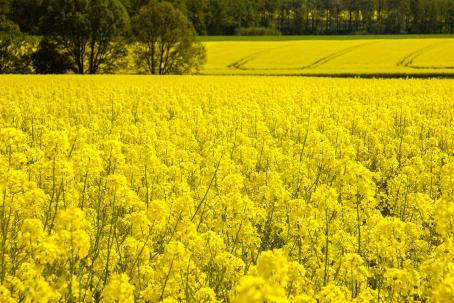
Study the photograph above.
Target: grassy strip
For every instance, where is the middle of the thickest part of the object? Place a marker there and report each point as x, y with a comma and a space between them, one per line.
351, 75
333, 37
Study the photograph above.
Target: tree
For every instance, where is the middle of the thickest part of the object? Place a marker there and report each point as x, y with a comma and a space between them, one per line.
196, 11
48, 60
5, 7
14, 51
27, 14
90, 33
133, 6
167, 40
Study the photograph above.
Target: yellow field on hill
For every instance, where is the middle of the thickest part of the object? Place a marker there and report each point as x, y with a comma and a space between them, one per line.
441, 57
331, 56
226, 189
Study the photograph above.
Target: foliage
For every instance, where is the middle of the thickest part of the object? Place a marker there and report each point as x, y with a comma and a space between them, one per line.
47, 59
216, 189
5, 6
225, 17
167, 41
27, 14
296, 17
257, 31
90, 33
14, 50
133, 6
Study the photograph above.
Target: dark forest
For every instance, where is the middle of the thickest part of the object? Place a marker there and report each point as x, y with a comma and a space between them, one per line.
270, 17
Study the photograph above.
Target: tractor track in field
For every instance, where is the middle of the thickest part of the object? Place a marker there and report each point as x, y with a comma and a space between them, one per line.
335, 55
408, 60
239, 64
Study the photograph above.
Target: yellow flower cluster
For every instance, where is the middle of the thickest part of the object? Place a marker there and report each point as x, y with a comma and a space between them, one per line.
218, 189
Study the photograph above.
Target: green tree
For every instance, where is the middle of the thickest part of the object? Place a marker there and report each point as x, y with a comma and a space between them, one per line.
5, 6
90, 33
14, 50
133, 6
196, 11
27, 14
48, 60
167, 40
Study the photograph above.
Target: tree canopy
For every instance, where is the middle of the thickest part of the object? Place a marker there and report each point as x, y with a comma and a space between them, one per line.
216, 17
89, 32
168, 40
14, 52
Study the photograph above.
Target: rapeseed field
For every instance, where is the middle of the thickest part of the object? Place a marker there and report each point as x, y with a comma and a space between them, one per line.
217, 189
332, 57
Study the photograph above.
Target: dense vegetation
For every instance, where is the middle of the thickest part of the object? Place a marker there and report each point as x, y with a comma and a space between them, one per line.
216, 17
95, 36
214, 189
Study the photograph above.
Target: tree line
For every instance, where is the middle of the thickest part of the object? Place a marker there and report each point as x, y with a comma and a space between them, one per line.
96, 36
227, 17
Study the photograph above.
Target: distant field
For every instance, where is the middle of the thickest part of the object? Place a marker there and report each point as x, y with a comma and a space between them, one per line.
385, 56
